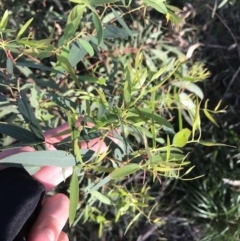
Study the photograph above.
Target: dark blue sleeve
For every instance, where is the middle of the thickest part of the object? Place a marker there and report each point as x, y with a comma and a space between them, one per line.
20, 203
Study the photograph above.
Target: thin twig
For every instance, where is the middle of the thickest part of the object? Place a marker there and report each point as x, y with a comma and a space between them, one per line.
226, 26
232, 80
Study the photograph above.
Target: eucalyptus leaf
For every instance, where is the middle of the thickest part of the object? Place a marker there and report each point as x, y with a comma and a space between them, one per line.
23, 29
181, 138
74, 197
124, 171
29, 117
56, 158
98, 26
17, 133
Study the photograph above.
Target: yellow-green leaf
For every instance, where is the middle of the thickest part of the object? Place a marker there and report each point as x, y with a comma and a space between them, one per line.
124, 171
67, 66
4, 20
23, 29
102, 198
74, 196
181, 138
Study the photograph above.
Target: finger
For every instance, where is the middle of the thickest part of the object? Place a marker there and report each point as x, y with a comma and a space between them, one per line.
51, 176
51, 220
63, 237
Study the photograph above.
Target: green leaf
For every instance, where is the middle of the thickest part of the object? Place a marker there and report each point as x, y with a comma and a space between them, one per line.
121, 21
42, 158
103, 182
87, 46
21, 144
158, 5
63, 102
37, 66
76, 13
209, 143
9, 66
124, 171
23, 29
76, 54
29, 117
114, 32
147, 114
74, 197
127, 90
208, 115
190, 87
4, 20
102, 198
17, 133
181, 138
98, 25
67, 66
73, 21
100, 2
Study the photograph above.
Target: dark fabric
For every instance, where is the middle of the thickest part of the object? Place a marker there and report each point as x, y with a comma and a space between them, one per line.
20, 203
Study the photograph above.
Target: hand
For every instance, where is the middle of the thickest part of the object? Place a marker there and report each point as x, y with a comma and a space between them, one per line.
54, 212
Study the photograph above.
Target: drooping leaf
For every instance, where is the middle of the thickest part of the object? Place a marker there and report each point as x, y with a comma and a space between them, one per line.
67, 66
98, 26
63, 102
147, 114
38, 66
23, 29
113, 32
103, 182
56, 158
73, 21
76, 54
159, 5
76, 12
124, 171
16, 145
87, 46
9, 66
74, 197
181, 138
29, 117
190, 87
100, 2
102, 198
208, 115
4, 21
121, 21
17, 133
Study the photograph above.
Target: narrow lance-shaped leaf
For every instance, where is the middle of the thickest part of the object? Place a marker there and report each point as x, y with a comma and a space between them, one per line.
208, 115
29, 117
124, 171
121, 21
102, 198
74, 197
87, 46
100, 2
147, 114
42, 158
9, 66
67, 66
98, 25
4, 21
23, 29
17, 133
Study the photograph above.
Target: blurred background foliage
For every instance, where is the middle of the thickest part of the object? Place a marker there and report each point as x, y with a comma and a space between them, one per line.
203, 209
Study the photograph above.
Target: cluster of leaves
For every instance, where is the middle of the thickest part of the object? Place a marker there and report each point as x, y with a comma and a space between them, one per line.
137, 108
